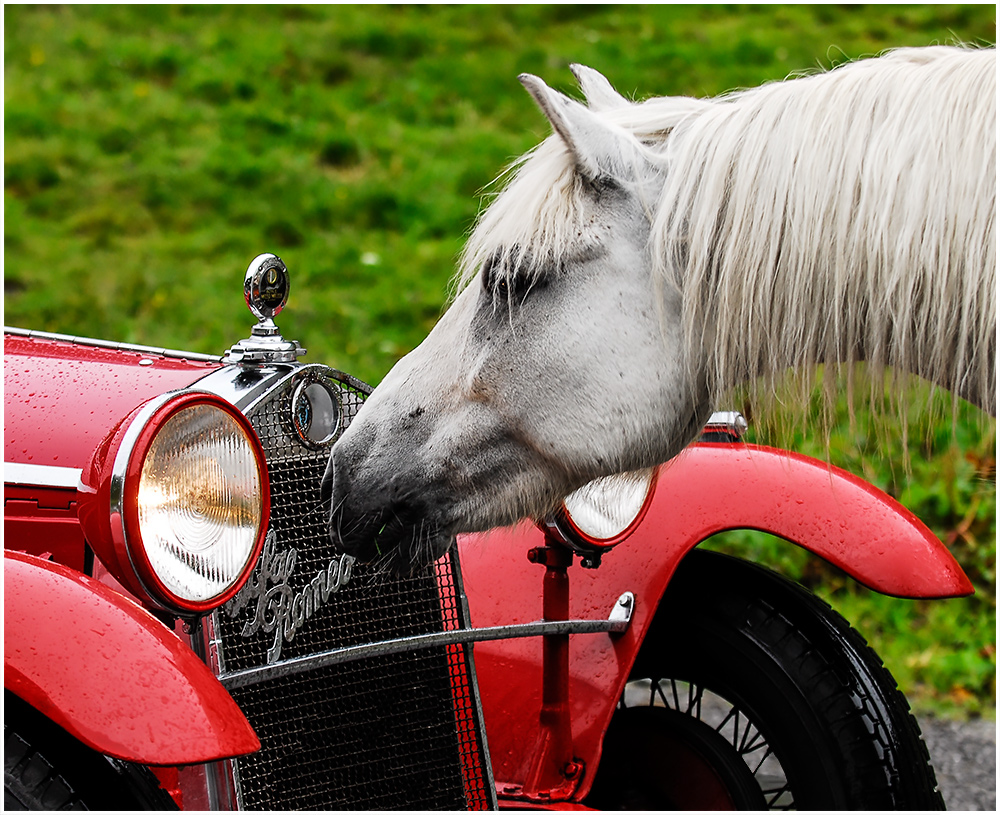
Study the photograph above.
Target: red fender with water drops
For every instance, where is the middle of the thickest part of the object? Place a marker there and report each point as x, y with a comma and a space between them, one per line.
707, 489
147, 698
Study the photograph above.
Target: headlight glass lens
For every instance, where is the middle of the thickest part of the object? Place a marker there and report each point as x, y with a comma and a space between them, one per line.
606, 507
200, 502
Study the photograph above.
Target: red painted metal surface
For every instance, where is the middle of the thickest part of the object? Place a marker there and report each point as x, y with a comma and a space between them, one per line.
707, 489
43, 522
61, 399
149, 699
146, 698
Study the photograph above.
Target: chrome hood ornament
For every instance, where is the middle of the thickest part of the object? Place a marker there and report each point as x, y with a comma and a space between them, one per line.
265, 288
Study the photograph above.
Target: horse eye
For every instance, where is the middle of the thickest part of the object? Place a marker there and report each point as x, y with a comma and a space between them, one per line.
490, 271
500, 283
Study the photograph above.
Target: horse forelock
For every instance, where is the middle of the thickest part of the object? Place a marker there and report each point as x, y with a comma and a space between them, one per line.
530, 217
536, 213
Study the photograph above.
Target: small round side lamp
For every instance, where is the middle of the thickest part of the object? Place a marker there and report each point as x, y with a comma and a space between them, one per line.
602, 513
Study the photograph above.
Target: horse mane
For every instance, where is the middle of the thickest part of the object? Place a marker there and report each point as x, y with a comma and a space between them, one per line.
835, 217
842, 216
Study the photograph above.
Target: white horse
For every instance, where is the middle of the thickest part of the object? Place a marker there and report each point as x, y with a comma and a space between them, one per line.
646, 258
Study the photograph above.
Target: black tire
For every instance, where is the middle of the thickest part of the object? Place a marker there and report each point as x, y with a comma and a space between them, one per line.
745, 674
44, 768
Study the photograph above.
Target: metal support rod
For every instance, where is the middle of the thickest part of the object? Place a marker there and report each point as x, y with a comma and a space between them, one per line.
617, 623
555, 767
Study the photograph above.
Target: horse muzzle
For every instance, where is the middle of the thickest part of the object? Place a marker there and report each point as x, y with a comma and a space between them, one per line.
399, 532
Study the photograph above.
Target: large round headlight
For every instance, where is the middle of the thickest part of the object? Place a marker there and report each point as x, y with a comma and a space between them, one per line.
199, 503
188, 495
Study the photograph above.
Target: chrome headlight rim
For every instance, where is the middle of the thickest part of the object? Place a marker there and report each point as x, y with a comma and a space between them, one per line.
126, 476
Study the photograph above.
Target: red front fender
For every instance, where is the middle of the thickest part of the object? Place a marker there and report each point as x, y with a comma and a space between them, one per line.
109, 673
707, 489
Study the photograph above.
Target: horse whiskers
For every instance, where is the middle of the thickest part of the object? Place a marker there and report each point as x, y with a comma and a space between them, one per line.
422, 550
415, 544
322, 506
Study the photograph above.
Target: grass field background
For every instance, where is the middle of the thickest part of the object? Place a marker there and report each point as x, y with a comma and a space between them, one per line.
151, 151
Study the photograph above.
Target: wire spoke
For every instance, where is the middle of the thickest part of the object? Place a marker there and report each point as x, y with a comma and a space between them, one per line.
776, 796
657, 690
694, 700
673, 688
729, 716
752, 740
729, 721
768, 752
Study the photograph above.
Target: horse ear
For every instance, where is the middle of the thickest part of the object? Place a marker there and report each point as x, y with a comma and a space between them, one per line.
597, 90
599, 149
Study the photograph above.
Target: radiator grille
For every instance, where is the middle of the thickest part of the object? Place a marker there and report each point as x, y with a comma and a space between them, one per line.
386, 732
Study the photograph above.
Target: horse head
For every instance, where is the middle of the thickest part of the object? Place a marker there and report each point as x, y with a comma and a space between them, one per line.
646, 258
559, 361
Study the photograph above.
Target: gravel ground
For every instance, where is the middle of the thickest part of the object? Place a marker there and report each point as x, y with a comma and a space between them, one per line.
964, 755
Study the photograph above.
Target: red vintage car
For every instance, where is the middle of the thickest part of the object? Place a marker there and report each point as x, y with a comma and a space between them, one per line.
181, 630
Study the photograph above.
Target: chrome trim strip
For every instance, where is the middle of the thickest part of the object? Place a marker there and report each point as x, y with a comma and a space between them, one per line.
115, 346
247, 386
731, 420
616, 624
221, 783
41, 475
292, 371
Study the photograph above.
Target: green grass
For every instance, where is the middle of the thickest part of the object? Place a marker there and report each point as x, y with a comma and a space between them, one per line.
151, 151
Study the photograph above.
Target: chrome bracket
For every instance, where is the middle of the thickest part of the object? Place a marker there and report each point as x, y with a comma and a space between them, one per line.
265, 345
621, 614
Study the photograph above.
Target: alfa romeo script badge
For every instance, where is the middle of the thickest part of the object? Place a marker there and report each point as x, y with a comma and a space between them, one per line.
272, 602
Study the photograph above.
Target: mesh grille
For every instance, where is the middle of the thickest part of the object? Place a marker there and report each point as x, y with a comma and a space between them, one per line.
386, 732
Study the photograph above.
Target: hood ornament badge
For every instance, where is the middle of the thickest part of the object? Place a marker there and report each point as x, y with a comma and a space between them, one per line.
265, 288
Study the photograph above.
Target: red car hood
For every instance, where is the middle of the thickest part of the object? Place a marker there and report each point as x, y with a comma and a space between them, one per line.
62, 398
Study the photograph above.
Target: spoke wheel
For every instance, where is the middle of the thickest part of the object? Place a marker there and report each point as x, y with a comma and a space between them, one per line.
697, 751
751, 693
